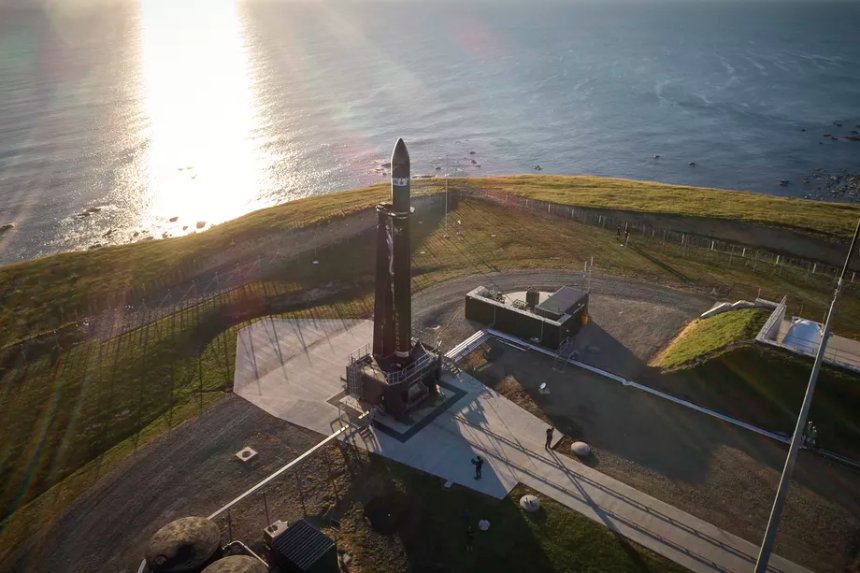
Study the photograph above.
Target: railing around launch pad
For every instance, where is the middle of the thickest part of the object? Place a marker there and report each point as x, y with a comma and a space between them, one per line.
416, 369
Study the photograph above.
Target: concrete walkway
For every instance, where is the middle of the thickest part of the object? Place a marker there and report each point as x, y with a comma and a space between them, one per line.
473, 419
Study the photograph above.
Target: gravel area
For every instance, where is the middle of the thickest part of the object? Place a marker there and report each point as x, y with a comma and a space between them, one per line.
632, 319
191, 471
722, 474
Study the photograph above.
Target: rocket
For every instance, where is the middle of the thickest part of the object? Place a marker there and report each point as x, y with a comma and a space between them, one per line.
392, 320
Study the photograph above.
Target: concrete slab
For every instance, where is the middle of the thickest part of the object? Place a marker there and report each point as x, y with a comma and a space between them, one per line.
840, 351
291, 367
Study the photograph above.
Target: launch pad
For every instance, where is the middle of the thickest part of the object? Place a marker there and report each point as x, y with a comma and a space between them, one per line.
398, 385
398, 373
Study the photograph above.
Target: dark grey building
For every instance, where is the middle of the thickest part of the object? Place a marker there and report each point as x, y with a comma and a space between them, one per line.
544, 318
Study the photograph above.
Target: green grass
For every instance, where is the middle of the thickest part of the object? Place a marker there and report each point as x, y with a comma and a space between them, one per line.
704, 337
818, 217
51, 293
432, 532
78, 408
765, 386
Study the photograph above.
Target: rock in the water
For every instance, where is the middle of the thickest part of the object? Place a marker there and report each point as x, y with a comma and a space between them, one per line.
173, 219
201, 224
692, 164
6, 227
580, 449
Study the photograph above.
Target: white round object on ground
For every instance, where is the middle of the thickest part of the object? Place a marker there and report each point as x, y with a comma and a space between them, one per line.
530, 503
483, 525
580, 449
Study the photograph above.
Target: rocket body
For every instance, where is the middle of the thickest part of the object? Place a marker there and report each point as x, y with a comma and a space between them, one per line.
392, 329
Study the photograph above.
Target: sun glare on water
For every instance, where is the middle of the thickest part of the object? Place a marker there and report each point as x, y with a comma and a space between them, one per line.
203, 163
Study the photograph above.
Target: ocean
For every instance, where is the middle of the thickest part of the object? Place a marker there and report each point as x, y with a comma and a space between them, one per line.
152, 118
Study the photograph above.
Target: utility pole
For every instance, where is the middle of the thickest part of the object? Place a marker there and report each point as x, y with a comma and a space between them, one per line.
782, 490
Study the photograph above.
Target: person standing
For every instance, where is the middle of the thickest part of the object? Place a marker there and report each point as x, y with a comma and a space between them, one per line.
478, 462
549, 432
470, 538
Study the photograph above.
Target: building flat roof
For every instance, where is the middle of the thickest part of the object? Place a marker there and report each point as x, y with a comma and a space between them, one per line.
562, 299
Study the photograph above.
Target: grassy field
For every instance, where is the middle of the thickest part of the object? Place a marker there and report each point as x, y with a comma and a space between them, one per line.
838, 219
705, 337
76, 402
429, 534
53, 292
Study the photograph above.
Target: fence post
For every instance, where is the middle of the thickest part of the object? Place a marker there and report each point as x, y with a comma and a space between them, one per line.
712, 245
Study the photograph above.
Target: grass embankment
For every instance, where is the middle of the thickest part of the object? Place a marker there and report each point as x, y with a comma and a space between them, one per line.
817, 217
765, 386
703, 338
715, 362
70, 412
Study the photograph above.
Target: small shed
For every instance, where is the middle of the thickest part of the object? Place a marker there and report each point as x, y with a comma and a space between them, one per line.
303, 548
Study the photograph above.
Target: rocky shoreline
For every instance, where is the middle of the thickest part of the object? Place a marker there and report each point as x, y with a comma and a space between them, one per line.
831, 186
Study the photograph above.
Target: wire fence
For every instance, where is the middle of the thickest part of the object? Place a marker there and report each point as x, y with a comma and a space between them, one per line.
628, 227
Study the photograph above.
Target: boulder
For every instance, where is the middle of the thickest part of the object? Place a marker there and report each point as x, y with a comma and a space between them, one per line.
530, 503
580, 449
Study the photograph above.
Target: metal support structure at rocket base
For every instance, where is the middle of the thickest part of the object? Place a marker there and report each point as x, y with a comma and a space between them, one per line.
399, 372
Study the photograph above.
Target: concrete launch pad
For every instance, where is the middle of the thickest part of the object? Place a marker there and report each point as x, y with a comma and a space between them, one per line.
292, 369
